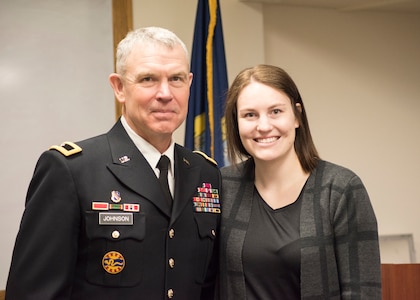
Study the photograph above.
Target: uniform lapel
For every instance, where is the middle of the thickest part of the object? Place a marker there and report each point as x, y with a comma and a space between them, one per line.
187, 177
132, 169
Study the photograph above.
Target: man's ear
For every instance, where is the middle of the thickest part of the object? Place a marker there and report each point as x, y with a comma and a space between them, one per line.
190, 76
117, 86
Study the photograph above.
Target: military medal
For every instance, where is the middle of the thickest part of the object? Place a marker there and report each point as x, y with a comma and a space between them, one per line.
129, 207
100, 205
116, 198
134, 207
115, 206
207, 199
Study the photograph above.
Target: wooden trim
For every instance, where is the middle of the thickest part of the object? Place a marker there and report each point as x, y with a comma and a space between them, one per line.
400, 281
122, 22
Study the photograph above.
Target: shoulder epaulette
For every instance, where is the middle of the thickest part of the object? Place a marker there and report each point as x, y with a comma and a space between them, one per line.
206, 157
67, 148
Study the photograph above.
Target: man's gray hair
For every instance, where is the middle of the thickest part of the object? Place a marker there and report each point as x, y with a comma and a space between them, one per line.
144, 37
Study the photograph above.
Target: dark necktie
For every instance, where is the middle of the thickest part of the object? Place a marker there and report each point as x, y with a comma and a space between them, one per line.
163, 166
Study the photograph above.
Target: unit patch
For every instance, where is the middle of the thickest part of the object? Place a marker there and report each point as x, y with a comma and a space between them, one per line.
113, 262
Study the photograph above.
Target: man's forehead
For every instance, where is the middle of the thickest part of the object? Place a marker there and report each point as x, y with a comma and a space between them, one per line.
153, 61
159, 50
157, 69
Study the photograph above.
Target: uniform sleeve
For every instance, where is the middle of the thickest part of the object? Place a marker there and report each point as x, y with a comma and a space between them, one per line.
356, 243
45, 251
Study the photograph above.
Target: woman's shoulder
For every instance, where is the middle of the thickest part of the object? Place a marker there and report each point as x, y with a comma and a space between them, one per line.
330, 171
241, 169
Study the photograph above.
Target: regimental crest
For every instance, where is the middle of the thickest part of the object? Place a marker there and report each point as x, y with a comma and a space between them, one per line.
113, 262
115, 196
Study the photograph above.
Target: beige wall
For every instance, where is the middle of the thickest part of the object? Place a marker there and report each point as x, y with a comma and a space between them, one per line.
54, 65
358, 73
359, 78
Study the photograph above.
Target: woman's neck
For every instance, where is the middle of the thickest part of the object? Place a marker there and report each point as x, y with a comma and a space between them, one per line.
280, 182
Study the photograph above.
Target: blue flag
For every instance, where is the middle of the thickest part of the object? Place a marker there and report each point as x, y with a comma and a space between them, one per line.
205, 120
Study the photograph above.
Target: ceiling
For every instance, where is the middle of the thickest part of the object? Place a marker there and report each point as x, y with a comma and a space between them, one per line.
400, 6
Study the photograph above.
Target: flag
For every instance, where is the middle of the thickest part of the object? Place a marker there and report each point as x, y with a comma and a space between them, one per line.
205, 119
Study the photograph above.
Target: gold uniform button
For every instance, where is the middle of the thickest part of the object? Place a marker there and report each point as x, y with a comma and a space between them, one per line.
170, 293
171, 233
116, 234
171, 263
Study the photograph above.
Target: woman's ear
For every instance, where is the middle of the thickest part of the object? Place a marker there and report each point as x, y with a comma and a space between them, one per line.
297, 118
299, 107
118, 87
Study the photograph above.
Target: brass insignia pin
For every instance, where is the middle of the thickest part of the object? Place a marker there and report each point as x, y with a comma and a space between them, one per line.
124, 159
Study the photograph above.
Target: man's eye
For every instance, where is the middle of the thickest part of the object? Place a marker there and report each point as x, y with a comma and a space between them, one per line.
177, 78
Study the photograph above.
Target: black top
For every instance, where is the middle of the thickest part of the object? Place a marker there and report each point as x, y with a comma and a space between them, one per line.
271, 254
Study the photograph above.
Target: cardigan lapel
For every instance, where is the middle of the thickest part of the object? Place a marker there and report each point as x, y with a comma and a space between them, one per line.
237, 194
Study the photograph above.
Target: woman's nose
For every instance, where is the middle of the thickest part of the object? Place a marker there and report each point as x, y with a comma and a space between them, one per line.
264, 124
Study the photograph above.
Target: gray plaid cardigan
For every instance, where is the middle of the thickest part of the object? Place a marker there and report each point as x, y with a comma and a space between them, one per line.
338, 231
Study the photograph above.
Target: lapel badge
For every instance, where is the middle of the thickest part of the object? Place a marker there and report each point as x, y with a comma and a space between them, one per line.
186, 161
113, 262
207, 199
124, 159
115, 196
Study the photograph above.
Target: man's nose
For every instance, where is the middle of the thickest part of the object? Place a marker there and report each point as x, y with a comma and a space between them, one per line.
164, 90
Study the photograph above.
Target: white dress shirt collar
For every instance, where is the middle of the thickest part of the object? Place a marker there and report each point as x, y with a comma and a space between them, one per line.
149, 152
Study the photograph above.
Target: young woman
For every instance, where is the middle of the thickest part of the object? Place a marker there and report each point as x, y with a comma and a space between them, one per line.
293, 225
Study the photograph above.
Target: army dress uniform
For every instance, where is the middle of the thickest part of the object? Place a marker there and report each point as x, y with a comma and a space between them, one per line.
96, 226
